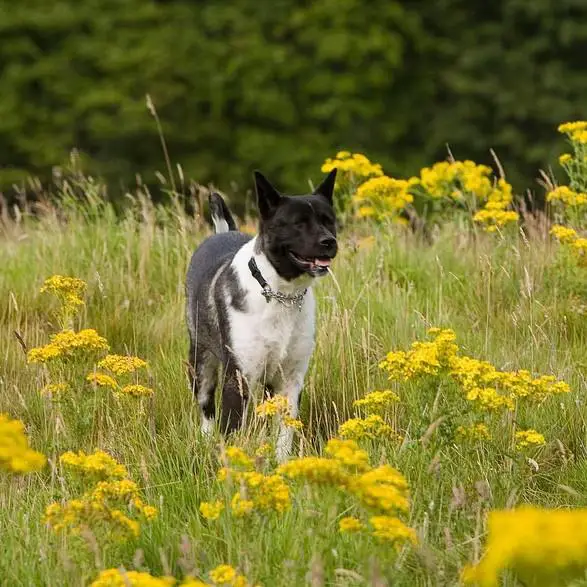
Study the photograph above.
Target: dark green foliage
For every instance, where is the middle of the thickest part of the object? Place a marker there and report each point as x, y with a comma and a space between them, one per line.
281, 85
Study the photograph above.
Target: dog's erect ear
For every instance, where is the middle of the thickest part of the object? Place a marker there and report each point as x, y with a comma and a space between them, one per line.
267, 196
326, 188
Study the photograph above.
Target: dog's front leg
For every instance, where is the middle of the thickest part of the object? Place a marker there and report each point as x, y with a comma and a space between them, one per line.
293, 391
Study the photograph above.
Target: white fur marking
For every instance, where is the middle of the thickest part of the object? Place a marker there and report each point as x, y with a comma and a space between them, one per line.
220, 224
269, 339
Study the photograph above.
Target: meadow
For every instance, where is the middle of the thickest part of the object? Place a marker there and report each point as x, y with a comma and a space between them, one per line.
472, 335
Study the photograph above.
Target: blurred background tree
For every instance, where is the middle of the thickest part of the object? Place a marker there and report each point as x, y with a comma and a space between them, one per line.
281, 85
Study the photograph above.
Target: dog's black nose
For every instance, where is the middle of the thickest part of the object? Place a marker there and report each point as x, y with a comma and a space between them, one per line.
328, 242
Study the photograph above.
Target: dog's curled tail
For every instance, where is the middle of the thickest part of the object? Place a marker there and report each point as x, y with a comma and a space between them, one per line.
221, 217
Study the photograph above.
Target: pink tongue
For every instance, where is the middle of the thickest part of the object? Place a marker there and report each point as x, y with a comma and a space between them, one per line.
322, 262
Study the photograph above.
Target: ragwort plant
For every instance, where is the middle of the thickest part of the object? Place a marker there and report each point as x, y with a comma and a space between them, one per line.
446, 191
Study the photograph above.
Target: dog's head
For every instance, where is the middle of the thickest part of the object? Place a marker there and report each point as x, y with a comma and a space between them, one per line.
297, 233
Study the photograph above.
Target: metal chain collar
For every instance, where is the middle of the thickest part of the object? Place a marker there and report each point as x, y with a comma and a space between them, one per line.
287, 300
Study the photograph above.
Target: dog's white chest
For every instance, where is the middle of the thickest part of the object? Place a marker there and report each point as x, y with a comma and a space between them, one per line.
272, 341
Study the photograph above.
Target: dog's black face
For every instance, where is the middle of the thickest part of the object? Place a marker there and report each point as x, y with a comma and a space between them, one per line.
297, 233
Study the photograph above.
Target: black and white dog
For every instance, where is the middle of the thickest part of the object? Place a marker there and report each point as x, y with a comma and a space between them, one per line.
250, 306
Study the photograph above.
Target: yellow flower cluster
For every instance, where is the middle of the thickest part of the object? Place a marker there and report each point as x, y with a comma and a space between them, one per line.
377, 401
576, 131
350, 524
565, 195
473, 432
275, 406
469, 184
103, 506
78, 514
120, 578
529, 438
15, 454
136, 390
564, 234
424, 358
222, 575
99, 465
540, 546
55, 390
68, 344
278, 406
211, 511
482, 384
352, 166
69, 291
382, 197
371, 427
256, 492
383, 489
392, 530
102, 380
122, 364
569, 237
237, 457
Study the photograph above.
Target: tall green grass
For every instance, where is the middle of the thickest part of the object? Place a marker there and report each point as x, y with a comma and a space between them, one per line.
511, 300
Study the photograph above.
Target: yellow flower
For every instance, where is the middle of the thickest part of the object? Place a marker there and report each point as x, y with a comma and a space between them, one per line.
241, 507
567, 196
351, 167
223, 574
238, 457
540, 546
315, 470
383, 197
264, 450
102, 380
350, 525
565, 158
572, 127
106, 508
272, 494
67, 344
366, 212
136, 390
473, 432
277, 405
392, 530
121, 578
376, 401
564, 234
493, 219
384, 489
15, 454
122, 364
77, 514
69, 290
348, 453
98, 464
371, 427
211, 511
293, 423
55, 390
526, 438
266, 492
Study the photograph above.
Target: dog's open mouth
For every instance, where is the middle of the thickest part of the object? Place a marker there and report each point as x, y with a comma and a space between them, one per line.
313, 265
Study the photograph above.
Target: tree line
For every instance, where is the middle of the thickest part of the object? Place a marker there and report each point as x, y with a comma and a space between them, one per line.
282, 85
